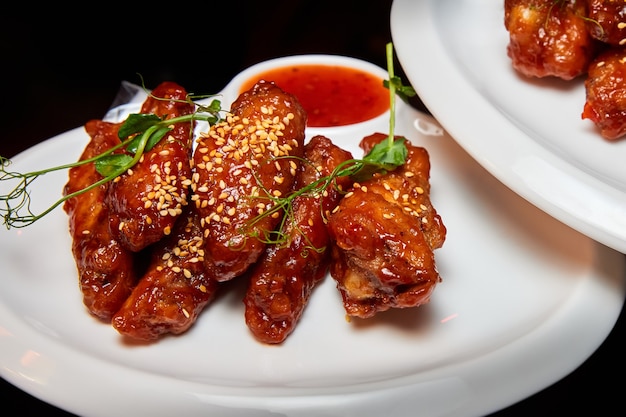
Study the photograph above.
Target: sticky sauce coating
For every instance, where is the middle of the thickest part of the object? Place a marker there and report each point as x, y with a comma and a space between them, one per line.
331, 95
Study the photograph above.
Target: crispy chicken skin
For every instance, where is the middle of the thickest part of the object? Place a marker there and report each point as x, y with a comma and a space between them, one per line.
605, 87
549, 38
175, 288
106, 270
384, 233
282, 281
145, 201
607, 21
240, 164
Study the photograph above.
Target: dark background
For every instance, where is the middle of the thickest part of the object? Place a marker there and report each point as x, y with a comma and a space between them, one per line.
62, 67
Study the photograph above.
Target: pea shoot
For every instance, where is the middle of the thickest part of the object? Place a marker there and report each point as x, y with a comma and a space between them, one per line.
138, 134
385, 156
141, 132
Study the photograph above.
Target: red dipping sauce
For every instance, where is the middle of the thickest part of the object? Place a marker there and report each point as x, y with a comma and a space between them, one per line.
331, 95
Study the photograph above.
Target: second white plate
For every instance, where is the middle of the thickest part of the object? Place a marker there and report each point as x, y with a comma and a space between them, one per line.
527, 133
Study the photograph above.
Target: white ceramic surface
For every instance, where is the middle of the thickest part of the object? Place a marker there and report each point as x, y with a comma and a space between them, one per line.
527, 133
519, 288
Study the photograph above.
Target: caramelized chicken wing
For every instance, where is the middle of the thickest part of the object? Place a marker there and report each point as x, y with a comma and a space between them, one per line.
144, 202
283, 279
241, 165
384, 233
174, 290
605, 87
607, 21
106, 270
548, 37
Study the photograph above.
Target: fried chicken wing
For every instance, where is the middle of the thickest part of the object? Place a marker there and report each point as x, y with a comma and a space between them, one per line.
175, 288
106, 269
241, 165
144, 202
384, 233
607, 21
548, 38
283, 279
605, 88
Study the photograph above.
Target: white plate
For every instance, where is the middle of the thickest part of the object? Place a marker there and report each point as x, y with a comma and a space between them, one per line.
528, 133
519, 288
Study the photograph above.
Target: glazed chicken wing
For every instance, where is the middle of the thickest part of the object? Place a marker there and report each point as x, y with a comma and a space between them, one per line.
548, 37
384, 233
106, 269
282, 281
605, 87
607, 21
241, 165
145, 201
174, 290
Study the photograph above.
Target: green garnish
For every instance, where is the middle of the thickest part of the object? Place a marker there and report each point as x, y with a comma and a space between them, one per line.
141, 132
138, 134
384, 157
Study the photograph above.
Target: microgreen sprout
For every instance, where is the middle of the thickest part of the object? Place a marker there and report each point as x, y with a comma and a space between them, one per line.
385, 156
138, 134
141, 132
